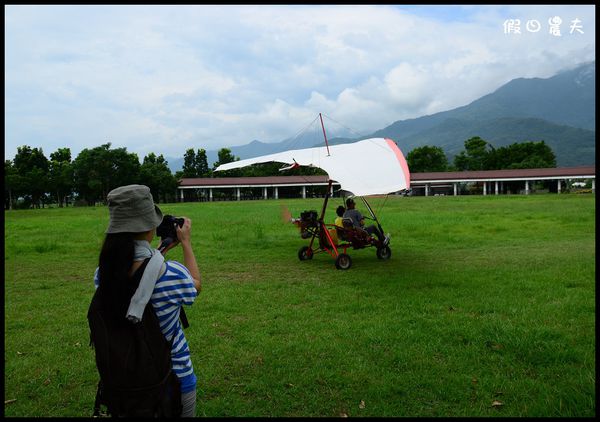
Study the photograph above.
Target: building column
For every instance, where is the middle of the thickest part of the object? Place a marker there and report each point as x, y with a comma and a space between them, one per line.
455, 188
496, 187
526, 187
210, 195
485, 188
558, 186
181, 190
593, 185
303, 192
265, 193
427, 189
275, 193
237, 193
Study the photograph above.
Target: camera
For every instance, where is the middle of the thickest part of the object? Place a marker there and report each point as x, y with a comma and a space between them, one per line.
166, 230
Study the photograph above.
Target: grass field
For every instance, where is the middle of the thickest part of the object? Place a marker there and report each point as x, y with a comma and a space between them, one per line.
486, 308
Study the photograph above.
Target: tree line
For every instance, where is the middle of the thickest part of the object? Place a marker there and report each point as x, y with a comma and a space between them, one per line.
32, 180
481, 155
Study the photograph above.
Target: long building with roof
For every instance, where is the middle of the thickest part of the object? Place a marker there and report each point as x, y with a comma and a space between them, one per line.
450, 183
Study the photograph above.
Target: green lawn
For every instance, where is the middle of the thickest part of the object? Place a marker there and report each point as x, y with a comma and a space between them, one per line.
486, 308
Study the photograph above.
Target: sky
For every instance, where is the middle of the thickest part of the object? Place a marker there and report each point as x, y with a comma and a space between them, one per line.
164, 79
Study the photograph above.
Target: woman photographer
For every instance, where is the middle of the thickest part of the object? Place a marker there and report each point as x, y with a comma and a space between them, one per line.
167, 285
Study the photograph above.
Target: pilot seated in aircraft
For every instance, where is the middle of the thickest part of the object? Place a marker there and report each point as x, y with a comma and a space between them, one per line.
358, 221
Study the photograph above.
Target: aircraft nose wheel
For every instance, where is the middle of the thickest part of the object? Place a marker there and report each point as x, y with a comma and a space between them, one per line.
384, 252
343, 262
305, 253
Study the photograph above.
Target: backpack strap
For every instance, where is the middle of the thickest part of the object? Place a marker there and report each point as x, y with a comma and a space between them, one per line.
137, 275
183, 318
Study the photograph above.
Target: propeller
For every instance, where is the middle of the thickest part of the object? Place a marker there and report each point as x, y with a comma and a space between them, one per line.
286, 215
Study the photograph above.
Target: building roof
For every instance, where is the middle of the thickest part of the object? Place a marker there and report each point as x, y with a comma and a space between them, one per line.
253, 181
558, 172
516, 174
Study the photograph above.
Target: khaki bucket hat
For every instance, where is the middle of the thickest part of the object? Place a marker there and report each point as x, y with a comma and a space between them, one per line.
132, 209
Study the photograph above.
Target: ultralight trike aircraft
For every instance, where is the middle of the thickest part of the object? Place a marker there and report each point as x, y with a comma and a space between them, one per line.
372, 166
333, 238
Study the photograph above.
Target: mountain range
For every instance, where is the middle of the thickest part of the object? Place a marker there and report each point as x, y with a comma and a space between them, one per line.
560, 110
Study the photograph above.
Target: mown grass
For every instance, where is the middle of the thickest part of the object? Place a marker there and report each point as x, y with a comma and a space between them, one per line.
486, 308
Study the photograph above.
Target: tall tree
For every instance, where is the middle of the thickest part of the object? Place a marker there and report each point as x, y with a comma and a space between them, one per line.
225, 156
32, 166
13, 184
125, 169
201, 164
89, 172
189, 164
61, 175
427, 158
195, 164
101, 169
155, 174
476, 156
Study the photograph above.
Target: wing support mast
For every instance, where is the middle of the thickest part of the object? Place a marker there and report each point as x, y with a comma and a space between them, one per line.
325, 135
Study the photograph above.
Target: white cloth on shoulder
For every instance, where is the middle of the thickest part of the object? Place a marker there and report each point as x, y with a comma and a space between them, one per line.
154, 269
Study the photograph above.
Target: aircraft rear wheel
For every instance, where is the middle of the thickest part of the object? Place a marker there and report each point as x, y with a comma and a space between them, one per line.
343, 262
384, 252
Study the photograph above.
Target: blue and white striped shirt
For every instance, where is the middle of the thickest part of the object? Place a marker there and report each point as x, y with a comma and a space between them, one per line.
172, 290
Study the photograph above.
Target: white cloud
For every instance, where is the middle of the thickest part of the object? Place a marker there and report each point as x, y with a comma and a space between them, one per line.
158, 78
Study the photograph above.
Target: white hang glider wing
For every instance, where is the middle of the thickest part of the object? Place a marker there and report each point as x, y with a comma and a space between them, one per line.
369, 167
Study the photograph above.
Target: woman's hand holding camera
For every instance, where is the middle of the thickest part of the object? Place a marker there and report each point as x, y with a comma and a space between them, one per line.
184, 236
184, 233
